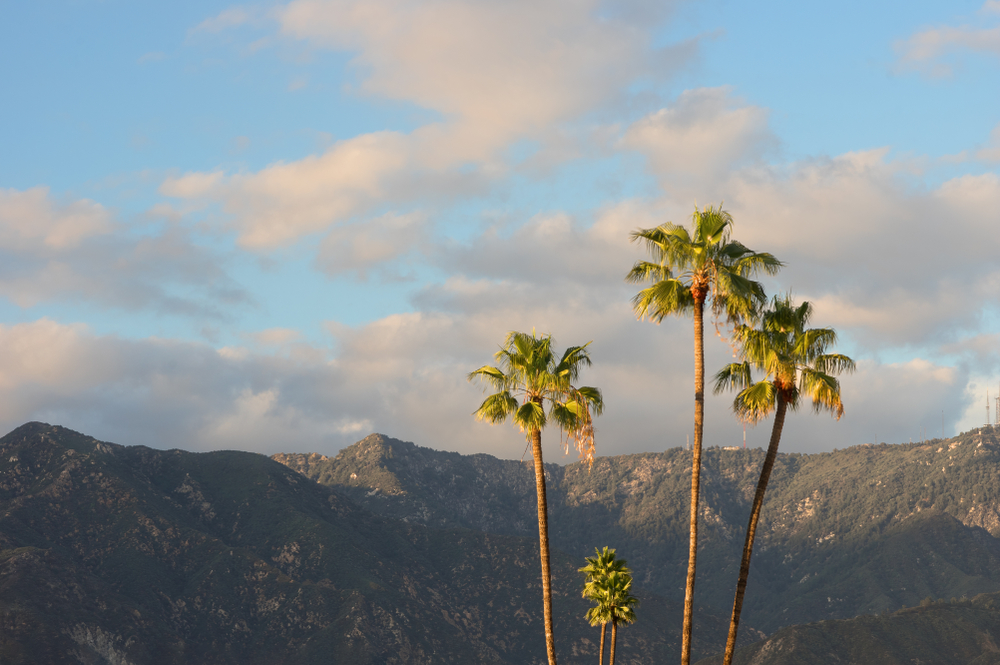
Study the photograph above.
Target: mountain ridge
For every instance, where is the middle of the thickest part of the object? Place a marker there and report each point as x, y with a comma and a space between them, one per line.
128, 555
821, 511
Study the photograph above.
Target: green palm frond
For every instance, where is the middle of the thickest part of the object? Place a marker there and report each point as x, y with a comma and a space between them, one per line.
823, 390
663, 298
681, 261
755, 402
497, 407
792, 358
608, 583
734, 376
528, 375
645, 271
491, 376
530, 416
834, 363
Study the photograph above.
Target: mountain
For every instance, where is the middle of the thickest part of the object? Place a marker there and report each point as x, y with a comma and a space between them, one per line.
856, 531
126, 555
960, 632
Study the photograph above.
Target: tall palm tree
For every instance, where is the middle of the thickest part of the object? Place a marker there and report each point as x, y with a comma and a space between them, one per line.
795, 363
688, 269
614, 604
596, 572
529, 375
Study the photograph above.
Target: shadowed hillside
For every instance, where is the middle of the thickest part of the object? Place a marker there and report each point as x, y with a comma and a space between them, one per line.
127, 555
965, 632
856, 531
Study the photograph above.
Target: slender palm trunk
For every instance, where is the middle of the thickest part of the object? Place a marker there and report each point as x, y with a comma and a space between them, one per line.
543, 543
600, 657
758, 501
614, 641
699, 422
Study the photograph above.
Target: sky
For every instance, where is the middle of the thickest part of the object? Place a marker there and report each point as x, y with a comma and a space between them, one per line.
282, 227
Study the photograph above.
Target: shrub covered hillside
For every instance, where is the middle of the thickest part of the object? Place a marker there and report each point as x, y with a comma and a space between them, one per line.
133, 556
861, 530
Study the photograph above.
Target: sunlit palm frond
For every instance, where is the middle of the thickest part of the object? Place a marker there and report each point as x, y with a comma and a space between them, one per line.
529, 368
755, 402
492, 376
823, 390
646, 271
530, 417
497, 407
834, 363
734, 376
666, 297
593, 397
573, 359
792, 358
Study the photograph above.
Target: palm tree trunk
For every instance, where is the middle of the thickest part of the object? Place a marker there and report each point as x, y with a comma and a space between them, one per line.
543, 543
600, 657
758, 501
699, 423
614, 640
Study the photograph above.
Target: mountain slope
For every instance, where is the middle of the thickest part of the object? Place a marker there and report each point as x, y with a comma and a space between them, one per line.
824, 514
963, 632
127, 555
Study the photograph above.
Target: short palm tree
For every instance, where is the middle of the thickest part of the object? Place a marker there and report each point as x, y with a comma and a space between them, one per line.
795, 363
688, 269
596, 572
614, 604
528, 376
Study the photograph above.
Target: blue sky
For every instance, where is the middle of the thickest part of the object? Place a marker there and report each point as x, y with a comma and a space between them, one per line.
280, 227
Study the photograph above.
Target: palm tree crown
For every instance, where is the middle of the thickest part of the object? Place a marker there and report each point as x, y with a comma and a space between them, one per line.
527, 376
599, 567
794, 361
688, 267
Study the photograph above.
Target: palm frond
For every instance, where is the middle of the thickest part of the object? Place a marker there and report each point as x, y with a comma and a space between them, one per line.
530, 417
497, 407
492, 376
734, 376
823, 390
834, 363
666, 297
645, 271
755, 402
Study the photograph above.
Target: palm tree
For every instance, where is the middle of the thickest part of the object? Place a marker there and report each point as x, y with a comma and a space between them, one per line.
614, 604
528, 376
689, 268
795, 362
596, 572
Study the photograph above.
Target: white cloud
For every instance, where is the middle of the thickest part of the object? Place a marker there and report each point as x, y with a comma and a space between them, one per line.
172, 394
703, 135
497, 73
31, 220
501, 70
77, 250
374, 242
898, 264
929, 49
224, 20
991, 151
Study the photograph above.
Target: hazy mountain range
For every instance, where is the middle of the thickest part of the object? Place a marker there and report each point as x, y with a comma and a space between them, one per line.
403, 554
